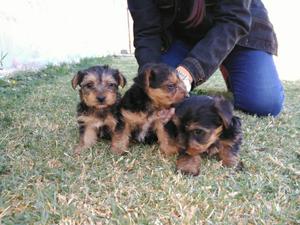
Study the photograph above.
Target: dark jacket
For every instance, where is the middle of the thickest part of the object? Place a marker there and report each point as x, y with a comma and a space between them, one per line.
226, 23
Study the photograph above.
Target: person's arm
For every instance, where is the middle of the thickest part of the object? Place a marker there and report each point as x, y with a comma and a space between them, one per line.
231, 22
146, 30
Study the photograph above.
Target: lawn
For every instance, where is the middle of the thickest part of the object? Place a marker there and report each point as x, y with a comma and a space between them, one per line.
42, 182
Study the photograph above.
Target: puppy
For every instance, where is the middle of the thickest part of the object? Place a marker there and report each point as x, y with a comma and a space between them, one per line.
98, 112
203, 124
157, 87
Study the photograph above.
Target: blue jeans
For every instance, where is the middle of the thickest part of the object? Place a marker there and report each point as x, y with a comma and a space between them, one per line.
250, 75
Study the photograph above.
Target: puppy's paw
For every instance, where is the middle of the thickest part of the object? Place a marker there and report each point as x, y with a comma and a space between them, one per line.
168, 150
77, 150
118, 150
189, 165
230, 161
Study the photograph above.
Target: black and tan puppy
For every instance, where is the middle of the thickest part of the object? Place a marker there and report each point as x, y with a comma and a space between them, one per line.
204, 124
156, 87
97, 112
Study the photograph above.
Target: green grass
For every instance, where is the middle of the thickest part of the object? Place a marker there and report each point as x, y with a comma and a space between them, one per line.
41, 182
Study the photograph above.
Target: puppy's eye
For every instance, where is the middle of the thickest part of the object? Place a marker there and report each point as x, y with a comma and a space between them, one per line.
171, 87
89, 85
112, 85
199, 132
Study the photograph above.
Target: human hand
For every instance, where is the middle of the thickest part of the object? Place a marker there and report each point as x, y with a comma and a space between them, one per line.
185, 76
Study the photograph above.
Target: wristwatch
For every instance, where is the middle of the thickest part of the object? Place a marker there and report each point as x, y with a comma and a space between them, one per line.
184, 79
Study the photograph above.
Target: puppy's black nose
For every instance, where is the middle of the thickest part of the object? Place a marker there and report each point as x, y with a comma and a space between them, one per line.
101, 99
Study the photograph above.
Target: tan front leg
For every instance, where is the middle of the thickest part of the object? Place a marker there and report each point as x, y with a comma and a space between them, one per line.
166, 144
120, 140
87, 139
227, 157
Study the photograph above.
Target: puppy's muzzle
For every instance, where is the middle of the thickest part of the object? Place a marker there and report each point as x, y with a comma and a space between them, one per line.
101, 99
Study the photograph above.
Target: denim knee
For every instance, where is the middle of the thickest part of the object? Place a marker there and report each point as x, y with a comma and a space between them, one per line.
254, 81
261, 105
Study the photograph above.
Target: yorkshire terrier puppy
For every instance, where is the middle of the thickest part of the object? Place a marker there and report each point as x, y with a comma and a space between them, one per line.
98, 112
203, 124
157, 87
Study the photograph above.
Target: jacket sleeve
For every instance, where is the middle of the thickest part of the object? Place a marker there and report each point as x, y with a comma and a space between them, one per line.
146, 30
232, 20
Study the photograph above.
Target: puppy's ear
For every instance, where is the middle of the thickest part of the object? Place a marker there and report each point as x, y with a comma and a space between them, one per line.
121, 79
145, 75
224, 109
151, 77
77, 78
